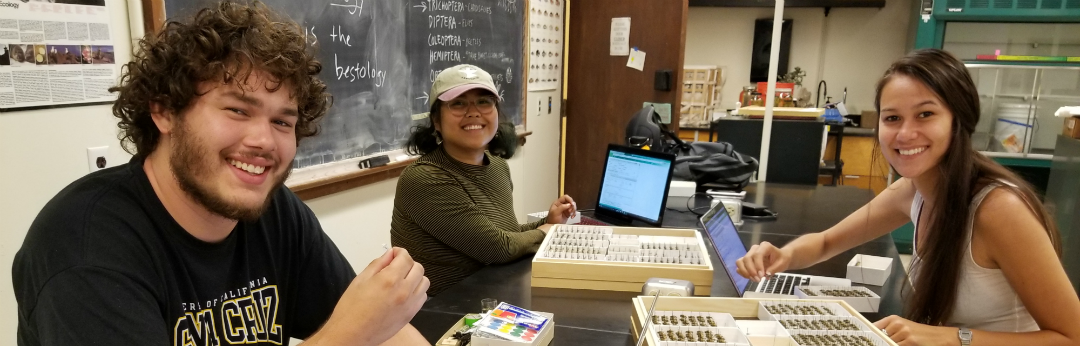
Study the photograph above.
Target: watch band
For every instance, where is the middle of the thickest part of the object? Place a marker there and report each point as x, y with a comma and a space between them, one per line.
965, 336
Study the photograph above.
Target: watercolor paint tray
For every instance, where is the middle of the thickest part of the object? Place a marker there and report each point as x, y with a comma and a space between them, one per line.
547, 332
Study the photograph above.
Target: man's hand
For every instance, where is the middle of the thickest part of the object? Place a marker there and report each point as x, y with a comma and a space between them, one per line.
378, 303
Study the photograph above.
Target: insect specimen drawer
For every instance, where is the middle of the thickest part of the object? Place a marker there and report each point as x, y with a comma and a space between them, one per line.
620, 258
678, 321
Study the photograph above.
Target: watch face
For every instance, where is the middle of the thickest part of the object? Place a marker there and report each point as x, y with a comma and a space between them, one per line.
965, 336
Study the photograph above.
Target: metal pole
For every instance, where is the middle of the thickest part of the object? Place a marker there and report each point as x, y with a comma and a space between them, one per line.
770, 100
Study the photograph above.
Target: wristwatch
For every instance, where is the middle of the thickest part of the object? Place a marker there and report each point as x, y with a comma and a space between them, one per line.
965, 336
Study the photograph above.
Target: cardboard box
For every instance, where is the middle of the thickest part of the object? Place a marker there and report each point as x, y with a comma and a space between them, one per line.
796, 320
832, 306
860, 304
765, 333
682, 188
869, 120
870, 270
740, 309
622, 276
546, 334
1071, 127
852, 335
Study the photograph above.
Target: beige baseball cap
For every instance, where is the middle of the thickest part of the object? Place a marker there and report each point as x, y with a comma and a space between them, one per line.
454, 81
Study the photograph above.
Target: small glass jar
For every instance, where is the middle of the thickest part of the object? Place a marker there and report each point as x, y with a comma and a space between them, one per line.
757, 100
746, 94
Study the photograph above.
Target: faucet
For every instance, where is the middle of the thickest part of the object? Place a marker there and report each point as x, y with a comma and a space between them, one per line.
818, 98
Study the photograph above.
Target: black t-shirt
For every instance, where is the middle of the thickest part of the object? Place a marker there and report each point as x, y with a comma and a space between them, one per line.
105, 264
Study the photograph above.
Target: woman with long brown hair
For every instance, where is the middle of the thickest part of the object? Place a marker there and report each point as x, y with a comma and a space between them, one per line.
986, 267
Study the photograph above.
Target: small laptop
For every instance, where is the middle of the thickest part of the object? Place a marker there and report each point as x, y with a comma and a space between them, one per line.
729, 248
634, 186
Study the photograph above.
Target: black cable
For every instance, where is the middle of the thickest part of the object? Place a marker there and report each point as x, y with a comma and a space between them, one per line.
694, 210
770, 215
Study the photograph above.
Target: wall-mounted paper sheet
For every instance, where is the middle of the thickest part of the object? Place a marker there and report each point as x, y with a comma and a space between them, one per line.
636, 60
620, 36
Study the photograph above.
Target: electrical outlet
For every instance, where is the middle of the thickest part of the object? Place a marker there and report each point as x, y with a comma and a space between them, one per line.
95, 158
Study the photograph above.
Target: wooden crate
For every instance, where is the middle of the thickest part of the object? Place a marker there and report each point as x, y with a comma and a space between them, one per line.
739, 308
622, 276
701, 74
715, 97
698, 93
694, 116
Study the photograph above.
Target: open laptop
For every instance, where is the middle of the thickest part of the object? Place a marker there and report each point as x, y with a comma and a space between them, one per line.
634, 186
729, 248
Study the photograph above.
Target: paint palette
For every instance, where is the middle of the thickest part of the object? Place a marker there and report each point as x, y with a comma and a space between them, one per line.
517, 332
513, 323
496, 338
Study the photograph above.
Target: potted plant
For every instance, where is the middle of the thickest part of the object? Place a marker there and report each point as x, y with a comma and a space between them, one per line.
802, 96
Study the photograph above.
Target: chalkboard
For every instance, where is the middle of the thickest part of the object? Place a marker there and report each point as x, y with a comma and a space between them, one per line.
380, 57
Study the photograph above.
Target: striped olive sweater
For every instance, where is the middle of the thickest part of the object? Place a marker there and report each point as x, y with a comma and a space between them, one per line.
454, 218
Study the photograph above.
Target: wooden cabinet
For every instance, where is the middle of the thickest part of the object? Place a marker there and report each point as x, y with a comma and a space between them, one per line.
1062, 197
690, 134
864, 166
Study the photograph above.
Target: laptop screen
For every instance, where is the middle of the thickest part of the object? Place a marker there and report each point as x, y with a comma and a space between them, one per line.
726, 242
635, 183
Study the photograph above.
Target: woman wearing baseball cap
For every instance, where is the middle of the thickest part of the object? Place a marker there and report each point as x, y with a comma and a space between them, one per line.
454, 209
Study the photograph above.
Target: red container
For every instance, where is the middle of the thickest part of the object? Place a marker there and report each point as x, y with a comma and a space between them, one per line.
763, 87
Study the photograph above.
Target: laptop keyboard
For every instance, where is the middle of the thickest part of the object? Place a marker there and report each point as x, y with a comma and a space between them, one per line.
782, 284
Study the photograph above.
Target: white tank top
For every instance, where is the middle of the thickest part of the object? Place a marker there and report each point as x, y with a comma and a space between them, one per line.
984, 298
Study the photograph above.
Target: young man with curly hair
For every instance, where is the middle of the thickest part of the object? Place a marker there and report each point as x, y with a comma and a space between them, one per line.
195, 241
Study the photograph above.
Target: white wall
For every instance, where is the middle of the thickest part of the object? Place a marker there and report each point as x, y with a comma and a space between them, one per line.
45, 150
850, 48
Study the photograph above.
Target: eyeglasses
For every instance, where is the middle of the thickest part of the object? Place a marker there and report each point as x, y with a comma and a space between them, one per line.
484, 104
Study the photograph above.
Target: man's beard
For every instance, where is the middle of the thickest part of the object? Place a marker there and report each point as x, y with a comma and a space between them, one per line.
192, 164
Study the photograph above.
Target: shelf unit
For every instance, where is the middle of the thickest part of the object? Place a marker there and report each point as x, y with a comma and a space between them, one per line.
1041, 88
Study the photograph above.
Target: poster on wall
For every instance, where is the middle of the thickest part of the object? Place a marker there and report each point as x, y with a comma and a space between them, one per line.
545, 44
55, 53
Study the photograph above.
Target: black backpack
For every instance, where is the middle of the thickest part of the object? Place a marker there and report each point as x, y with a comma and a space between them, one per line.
645, 131
700, 162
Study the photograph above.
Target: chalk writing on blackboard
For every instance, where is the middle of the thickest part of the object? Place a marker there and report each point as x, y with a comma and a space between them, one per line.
356, 7
379, 59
